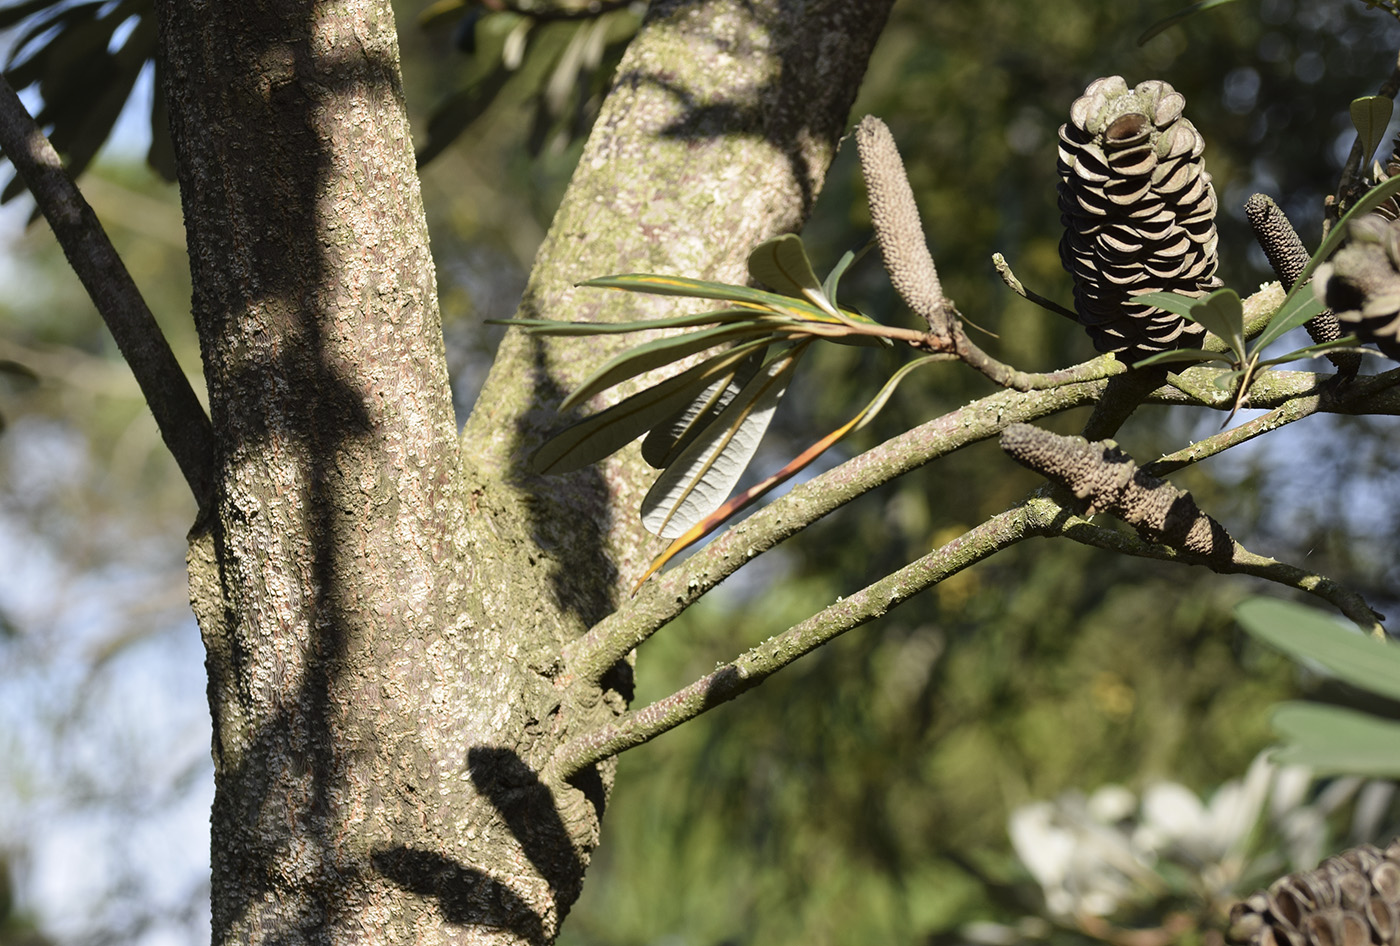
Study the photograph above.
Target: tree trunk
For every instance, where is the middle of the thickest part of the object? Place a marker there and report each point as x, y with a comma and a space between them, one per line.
384, 602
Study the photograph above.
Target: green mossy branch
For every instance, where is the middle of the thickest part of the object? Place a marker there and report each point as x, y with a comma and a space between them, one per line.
1040, 515
1292, 395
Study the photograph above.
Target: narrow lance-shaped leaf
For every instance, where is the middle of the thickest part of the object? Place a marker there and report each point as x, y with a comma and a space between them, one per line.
833, 279
1184, 355
773, 302
555, 328
610, 430
1372, 199
1173, 302
704, 474
738, 503
1170, 21
660, 353
669, 439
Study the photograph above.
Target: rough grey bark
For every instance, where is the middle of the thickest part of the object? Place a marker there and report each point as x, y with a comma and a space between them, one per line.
385, 604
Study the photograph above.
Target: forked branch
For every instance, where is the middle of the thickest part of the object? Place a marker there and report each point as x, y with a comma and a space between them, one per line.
1040, 515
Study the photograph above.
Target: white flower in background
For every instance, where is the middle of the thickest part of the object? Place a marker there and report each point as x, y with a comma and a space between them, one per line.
1093, 856
1083, 862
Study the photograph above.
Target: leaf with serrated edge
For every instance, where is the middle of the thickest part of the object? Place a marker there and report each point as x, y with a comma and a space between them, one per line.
782, 263
612, 429
1333, 740
667, 440
1306, 634
703, 476
659, 354
1370, 115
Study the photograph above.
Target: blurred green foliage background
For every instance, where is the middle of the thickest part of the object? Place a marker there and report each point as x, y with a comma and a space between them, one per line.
863, 795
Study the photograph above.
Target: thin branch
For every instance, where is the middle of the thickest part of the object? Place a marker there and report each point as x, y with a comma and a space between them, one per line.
1242, 562
1102, 478
1040, 515
898, 230
724, 684
667, 595
183, 424
1003, 269
1006, 376
670, 593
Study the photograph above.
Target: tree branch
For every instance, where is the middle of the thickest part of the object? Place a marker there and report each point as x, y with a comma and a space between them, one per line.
1295, 394
1241, 562
1104, 479
183, 424
1040, 515
756, 665
670, 593
661, 600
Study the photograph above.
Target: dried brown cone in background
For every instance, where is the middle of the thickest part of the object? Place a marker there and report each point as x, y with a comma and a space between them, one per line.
1352, 899
1361, 283
1139, 215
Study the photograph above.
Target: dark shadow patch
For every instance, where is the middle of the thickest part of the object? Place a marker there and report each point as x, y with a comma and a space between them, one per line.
463, 894
527, 805
569, 515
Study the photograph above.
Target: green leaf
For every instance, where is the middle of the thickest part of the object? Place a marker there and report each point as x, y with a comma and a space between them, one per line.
662, 352
1180, 355
1296, 310
1370, 116
1372, 199
782, 263
743, 295
1170, 21
1173, 302
552, 327
1222, 314
668, 440
833, 278
610, 430
1347, 343
1334, 740
1306, 634
703, 476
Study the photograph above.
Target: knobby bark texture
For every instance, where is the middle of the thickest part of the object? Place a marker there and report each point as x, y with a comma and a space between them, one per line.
384, 601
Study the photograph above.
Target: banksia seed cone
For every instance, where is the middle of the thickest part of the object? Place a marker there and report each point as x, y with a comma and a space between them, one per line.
1352, 899
1139, 215
1361, 284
